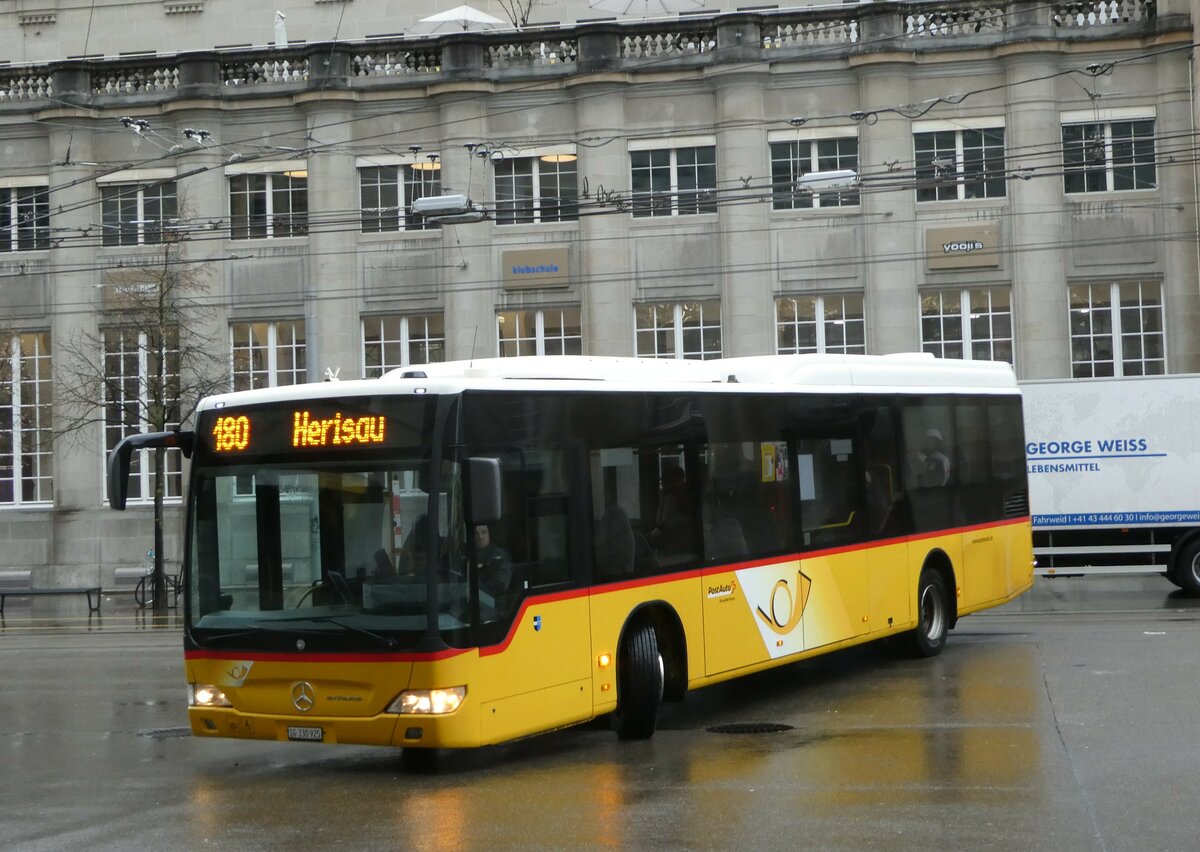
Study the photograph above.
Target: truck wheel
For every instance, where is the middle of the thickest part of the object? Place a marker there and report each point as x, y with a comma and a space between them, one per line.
933, 615
1187, 570
639, 685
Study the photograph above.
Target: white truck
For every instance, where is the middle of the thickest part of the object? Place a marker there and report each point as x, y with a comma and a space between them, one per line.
1114, 475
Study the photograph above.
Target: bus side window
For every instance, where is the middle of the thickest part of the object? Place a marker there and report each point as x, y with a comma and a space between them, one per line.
616, 512
533, 527
931, 476
831, 506
884, 499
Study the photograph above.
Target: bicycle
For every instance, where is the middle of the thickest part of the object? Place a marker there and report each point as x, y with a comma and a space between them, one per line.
143, 593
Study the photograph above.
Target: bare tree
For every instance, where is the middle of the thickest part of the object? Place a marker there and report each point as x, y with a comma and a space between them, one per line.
518, 11
145, 368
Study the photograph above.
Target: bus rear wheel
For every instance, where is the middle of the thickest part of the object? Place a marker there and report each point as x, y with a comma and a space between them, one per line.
639, 684
1187, 570
933, 615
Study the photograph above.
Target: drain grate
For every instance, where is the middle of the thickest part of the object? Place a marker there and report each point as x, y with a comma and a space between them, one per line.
166, 733
749, 728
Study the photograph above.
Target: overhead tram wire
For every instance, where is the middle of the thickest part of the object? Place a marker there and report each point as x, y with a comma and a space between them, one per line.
892, 178
1054, 149
582, 96
296, 152
215, 228
857, 260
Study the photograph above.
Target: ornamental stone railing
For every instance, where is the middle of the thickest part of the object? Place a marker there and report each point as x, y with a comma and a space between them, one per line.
621, 46
24, 84
396, 59
1101, 13
127, 81
532, 52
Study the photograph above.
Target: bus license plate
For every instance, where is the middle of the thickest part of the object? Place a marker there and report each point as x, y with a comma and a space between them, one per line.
312, 735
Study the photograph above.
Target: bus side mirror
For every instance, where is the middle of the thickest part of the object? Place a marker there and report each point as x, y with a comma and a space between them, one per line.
484, 481
119, 458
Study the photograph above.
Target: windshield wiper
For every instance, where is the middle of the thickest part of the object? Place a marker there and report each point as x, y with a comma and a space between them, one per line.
217, 635
386, 641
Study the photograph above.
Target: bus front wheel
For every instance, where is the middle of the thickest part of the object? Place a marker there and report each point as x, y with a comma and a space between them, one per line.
933, 615
639, 684
1187, 571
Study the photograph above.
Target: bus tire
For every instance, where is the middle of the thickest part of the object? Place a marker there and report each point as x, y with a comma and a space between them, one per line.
1187, 569
933, 615
639, 684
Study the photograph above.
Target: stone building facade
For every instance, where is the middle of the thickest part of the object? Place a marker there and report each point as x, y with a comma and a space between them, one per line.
1011, 180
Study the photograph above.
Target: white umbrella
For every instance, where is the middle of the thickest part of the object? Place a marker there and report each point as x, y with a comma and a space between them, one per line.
646, 8
458, 19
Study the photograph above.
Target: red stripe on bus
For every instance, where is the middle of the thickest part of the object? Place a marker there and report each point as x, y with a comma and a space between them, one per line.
569, 594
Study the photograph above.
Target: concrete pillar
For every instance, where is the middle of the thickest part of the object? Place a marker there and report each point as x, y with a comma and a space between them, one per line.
747, 306
74, 302
332, 302
467, 270
203, 198
1178, 181
1038, 224
606, 252
890, 241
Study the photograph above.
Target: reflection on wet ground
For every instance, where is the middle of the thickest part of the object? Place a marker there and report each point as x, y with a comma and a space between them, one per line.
1053, 722
1101, 593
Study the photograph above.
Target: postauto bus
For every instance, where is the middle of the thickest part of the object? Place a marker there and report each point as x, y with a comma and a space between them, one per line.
461, 554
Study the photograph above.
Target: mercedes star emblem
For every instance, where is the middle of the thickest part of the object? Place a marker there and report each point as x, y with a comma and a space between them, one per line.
303, 696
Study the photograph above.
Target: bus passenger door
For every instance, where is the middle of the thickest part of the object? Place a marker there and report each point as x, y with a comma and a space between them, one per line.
832, 519
537, 671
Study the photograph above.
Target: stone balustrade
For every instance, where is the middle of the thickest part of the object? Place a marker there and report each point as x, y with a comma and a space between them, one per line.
622, 46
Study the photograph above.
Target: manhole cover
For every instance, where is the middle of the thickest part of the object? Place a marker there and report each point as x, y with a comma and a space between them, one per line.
166, 733
749, 728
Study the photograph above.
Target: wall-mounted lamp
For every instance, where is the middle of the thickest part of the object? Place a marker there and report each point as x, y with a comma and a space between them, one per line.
558, 158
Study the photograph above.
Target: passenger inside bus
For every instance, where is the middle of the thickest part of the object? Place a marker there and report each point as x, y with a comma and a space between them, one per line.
673, 531
493, 563
413, 551
933, 465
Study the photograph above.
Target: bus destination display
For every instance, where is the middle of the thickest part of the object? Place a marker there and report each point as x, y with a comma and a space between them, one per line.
277, 429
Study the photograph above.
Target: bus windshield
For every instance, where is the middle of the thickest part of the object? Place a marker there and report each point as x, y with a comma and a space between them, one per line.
331, 549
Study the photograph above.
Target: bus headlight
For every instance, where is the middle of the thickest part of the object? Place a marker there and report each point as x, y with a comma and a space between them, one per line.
429, 702
206, 695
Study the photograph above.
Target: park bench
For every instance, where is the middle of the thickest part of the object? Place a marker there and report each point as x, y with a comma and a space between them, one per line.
19, 583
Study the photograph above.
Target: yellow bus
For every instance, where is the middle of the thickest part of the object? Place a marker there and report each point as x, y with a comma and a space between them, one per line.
461, 554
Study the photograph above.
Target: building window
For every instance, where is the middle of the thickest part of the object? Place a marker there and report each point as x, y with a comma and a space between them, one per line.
397, 341
954, 165
263, 206
550, 331
388, 192
674, 181
268, 354
790, 161
1108, 156
832, 323
140, 374
1117, 329
687, 330
542, 188
974, 325
24, 218
134, 215
26, 462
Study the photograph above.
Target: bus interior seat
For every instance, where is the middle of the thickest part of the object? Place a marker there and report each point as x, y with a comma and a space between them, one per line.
616, 547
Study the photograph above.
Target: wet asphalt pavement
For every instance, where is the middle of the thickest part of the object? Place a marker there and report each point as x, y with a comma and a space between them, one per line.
1066, 720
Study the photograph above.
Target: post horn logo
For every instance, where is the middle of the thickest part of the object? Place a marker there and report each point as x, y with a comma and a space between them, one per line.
792, 605
303, 696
